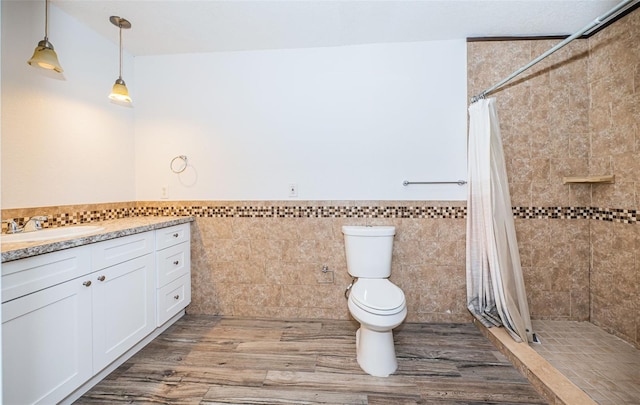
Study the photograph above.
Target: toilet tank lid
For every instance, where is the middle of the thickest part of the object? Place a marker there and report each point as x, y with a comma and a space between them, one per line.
369, 230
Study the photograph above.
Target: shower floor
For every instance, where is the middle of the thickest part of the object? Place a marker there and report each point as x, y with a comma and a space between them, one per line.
602, 365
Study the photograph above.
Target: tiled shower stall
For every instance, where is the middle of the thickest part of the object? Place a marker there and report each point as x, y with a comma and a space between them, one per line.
574, 114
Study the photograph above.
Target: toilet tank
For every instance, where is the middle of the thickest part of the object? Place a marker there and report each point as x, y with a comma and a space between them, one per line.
369, 250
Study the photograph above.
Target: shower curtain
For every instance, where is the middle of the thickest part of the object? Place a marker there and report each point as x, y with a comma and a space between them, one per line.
495, 287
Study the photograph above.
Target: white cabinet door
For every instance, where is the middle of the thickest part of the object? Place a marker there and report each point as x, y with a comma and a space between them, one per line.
46, 343
123, 308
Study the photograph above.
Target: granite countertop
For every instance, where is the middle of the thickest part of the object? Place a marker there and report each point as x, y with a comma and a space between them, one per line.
114, 228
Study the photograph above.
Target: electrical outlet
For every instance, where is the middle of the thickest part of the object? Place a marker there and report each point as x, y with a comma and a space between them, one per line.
164, 192
293, 190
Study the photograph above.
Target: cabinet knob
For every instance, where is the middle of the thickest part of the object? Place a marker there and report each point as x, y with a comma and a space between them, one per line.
176, 297
175, 235
176, 263
101, 278
87, 283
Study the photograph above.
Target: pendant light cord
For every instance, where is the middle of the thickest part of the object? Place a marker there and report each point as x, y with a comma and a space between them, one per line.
46, 20
120, 72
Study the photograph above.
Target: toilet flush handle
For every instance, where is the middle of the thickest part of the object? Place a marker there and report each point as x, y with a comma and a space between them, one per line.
348, 290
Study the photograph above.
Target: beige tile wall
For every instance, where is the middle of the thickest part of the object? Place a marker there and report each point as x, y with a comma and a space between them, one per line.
272, 267
575, 113
555, 262
614, 123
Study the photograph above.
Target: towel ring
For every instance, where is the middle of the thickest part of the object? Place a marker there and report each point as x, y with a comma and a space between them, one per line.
175, 166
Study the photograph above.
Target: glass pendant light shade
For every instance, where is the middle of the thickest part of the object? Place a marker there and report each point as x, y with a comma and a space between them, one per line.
119, 92
44, 56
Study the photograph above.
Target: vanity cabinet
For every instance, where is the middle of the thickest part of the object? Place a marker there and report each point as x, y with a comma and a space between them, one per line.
68, 315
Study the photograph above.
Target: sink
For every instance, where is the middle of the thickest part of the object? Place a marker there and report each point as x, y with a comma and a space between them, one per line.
50, 233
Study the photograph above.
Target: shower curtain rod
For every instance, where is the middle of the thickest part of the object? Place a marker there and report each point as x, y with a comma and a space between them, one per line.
590, 26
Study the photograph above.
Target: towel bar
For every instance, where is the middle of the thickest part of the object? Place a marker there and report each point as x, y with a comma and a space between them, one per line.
458, 182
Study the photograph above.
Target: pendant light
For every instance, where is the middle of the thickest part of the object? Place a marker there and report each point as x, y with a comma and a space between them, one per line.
119, 92
44, 56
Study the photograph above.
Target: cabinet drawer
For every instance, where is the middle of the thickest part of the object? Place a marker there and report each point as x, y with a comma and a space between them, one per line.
114, 251
173, 297
173, 262
172, 235
21, 277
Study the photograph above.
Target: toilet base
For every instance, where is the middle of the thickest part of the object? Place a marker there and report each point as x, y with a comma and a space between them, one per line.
376, 353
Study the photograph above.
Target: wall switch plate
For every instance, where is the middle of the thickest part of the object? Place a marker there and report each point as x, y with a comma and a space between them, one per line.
293, 190
164, 192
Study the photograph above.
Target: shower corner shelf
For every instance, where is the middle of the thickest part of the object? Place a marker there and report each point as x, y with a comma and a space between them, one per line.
608, 179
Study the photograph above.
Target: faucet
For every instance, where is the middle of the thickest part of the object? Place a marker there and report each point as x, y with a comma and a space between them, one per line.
12, 226
33, 224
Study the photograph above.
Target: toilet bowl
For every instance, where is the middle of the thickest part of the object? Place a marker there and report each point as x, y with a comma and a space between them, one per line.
374, 301
378, 307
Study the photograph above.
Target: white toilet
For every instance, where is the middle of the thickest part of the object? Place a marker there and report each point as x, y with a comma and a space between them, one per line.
374, 301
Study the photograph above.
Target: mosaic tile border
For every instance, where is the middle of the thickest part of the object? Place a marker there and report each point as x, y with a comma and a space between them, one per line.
626, 216
74, 218
552, 212
616, 215
312, 212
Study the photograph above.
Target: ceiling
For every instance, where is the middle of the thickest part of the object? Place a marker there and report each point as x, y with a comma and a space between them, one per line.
192, 26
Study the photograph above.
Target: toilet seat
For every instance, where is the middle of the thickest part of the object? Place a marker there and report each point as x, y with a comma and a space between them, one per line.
378, 296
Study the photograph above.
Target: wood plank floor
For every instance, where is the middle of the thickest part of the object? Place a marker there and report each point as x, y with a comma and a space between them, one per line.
213, 360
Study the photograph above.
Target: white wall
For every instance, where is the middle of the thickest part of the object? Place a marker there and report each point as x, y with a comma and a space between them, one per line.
342, 123
63, 142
